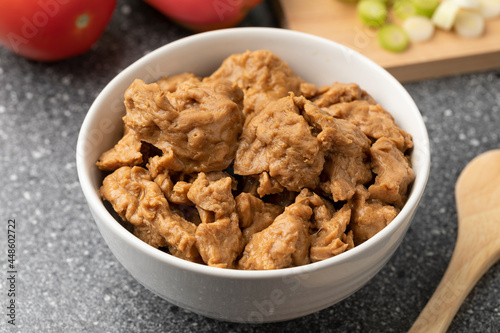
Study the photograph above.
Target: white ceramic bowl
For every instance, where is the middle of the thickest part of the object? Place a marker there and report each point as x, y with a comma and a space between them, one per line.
250, 296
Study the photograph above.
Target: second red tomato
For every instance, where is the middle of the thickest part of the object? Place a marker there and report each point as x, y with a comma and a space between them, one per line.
202, 15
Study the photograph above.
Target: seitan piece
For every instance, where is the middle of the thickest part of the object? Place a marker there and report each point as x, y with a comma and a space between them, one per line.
140, 201
278, 140
262, 76
218, 236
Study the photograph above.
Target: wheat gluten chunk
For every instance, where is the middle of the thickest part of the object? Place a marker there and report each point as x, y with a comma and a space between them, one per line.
346, 152
140, 201
283, 244
170, 83
218, 237
373, 120
330, 239
262, 76
127, 152
196, 127
255, 215
278, 141
328, 227
393, 173
368, 215
342, 173
340, 93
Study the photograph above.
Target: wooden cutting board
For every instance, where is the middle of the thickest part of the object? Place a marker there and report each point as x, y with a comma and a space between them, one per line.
445, 54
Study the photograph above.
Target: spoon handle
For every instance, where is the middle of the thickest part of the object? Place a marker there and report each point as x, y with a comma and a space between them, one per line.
470, 260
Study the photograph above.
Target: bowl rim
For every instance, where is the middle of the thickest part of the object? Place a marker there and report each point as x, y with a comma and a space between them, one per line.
97, 207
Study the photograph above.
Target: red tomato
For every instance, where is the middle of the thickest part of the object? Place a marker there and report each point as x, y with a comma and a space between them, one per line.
49, 30
202, 15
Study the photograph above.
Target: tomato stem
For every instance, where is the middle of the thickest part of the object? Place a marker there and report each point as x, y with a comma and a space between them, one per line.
82, 21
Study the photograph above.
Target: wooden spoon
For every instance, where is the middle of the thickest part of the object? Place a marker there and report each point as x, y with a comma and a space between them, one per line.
477, 194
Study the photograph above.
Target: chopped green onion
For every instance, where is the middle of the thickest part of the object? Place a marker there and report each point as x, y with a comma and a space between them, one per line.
393, 38
373, 13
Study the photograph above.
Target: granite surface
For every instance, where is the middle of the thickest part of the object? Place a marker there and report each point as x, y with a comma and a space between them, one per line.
67, 280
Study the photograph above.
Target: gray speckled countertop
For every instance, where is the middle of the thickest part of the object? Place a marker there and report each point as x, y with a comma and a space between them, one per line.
68, 280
